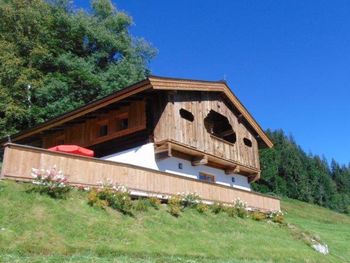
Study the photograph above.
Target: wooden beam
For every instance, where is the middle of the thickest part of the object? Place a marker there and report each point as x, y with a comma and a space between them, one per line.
232, 170
163, 151
200, 160
161, 155
254, 177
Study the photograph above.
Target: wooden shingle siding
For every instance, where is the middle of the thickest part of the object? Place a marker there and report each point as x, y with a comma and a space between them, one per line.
90, 171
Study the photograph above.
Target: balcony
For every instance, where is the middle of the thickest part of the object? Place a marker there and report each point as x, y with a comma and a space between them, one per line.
19, 161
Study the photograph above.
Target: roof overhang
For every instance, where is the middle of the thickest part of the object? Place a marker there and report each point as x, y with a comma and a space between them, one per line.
151, 83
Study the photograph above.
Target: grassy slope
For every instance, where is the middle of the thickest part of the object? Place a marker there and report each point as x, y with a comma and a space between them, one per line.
40, 229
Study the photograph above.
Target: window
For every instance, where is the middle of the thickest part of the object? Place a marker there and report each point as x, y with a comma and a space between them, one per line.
124, 123
206, 177
180, 166
102, 130
186, 115
219, 126
121, 124
233, 179
247, 142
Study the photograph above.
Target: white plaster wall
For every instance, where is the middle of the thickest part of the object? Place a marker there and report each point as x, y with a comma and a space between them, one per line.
144, 156
171, 165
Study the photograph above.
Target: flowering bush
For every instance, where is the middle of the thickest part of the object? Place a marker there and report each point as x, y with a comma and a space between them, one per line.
217, 208
112, 195
174, 204
239, 208
51, 182
202, 208
190, 199
94, 200
257, 215
276, 216
154, 202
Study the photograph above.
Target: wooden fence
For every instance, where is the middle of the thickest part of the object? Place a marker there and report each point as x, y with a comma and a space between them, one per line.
19, 161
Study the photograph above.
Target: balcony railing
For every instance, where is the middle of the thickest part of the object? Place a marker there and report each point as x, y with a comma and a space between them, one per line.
19, 161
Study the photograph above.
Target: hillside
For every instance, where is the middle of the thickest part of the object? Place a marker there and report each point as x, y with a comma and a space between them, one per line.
36, 228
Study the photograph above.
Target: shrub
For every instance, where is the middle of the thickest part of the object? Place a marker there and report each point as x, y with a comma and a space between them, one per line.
174, 204
94, 200
202, 208
141, 205
190, 200
114, 196
217, 208
231, 211
119, 199
257, 216
276, 216
240, 208
154, 202
51, 182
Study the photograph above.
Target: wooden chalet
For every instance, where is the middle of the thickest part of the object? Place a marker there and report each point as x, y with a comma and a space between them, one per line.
159, 136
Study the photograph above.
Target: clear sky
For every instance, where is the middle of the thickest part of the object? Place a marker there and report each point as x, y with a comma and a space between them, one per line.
287, 61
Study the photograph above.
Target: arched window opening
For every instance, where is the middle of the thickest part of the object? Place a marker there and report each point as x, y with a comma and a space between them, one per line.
247, 142
186, 115
219, 126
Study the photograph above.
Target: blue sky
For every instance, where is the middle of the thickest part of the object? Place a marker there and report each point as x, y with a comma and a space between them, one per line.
287, 61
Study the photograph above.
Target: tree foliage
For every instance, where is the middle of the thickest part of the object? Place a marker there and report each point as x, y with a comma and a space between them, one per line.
288, 171
54, 58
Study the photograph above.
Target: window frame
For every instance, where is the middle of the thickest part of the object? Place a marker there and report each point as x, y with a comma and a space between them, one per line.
99, 125
211, 176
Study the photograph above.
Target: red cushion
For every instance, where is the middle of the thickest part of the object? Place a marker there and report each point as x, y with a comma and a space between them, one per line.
73, 149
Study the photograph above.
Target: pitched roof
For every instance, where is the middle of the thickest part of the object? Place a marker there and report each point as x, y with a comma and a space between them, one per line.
150, 83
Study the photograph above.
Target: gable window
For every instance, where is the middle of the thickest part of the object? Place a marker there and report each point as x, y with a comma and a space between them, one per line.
185, 114
102, 130
206, 177
219, 126
247, 142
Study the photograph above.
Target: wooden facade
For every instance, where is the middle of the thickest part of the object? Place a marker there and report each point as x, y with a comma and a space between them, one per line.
90, 171
101, 127
170, 126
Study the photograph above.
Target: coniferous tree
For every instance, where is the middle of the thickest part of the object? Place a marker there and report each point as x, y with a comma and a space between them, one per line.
288, 171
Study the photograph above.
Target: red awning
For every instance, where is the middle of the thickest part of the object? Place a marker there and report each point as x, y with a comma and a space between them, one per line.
73, 149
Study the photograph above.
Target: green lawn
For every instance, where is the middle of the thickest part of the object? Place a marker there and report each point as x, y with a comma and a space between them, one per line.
36, 228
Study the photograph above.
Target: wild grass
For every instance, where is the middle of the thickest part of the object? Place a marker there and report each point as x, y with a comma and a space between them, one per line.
37, 228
